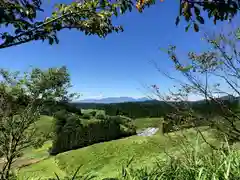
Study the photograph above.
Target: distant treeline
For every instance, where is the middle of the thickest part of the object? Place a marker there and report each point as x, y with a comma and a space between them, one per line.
159, 108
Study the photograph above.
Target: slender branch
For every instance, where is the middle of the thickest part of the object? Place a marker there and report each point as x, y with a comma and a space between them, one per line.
4, 45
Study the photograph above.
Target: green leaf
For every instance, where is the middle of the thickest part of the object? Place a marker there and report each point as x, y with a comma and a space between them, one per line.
75, 174
58, 27
17, 31
238, 34
196, 27
187, 28
56, 39
115, 12
51, 40
164, 50
103, 3
130, 7
177, 21
187, 68
200, 19
121, 10
197, 11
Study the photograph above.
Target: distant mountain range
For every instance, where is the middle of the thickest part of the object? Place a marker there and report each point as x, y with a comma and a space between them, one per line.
110, 100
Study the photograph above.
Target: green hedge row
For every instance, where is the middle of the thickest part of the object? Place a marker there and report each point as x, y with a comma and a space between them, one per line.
71, 132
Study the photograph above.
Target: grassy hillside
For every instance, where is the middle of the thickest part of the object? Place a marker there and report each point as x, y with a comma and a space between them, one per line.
142, 123
44, 125
44, 128
106, 159
87, 111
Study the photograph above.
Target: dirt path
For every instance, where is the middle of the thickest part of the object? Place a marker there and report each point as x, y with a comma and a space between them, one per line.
22, 162
148, 132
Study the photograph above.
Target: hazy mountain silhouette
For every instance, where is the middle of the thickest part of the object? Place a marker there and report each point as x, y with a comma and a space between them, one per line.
114, 100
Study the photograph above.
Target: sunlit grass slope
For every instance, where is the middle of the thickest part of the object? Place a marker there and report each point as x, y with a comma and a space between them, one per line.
106, 159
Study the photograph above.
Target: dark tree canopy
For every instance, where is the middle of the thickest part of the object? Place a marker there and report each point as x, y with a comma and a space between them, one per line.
190, 10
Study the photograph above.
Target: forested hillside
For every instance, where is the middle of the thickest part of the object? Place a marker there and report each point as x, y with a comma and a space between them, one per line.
154, 108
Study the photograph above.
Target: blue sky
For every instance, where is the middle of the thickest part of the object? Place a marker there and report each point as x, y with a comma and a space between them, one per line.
119, 64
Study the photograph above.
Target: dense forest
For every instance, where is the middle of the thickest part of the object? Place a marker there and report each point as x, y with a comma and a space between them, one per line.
154, 108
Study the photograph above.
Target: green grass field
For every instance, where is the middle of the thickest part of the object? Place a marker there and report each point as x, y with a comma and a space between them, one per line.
142, 123
44, 125
106, 159
90, 110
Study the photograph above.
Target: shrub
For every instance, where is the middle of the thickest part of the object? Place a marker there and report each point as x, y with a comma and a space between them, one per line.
174, 122
71, 133
100, 116
93, 113
86, 116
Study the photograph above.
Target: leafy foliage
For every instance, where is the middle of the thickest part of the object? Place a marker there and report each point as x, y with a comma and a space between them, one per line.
91, 17
213, 76
51, 107
100, 116
86, 116
72, 133
153, 108
93, 113
191, 10
21, 101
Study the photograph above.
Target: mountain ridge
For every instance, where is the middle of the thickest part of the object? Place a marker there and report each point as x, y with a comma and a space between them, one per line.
110, 100
125, 99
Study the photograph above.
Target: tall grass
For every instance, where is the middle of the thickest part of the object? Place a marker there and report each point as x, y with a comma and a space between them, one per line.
192, 163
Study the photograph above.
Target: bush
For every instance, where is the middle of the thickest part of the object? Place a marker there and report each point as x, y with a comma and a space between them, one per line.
71, 133
86, 116
100, 116
93, 113
174, 122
